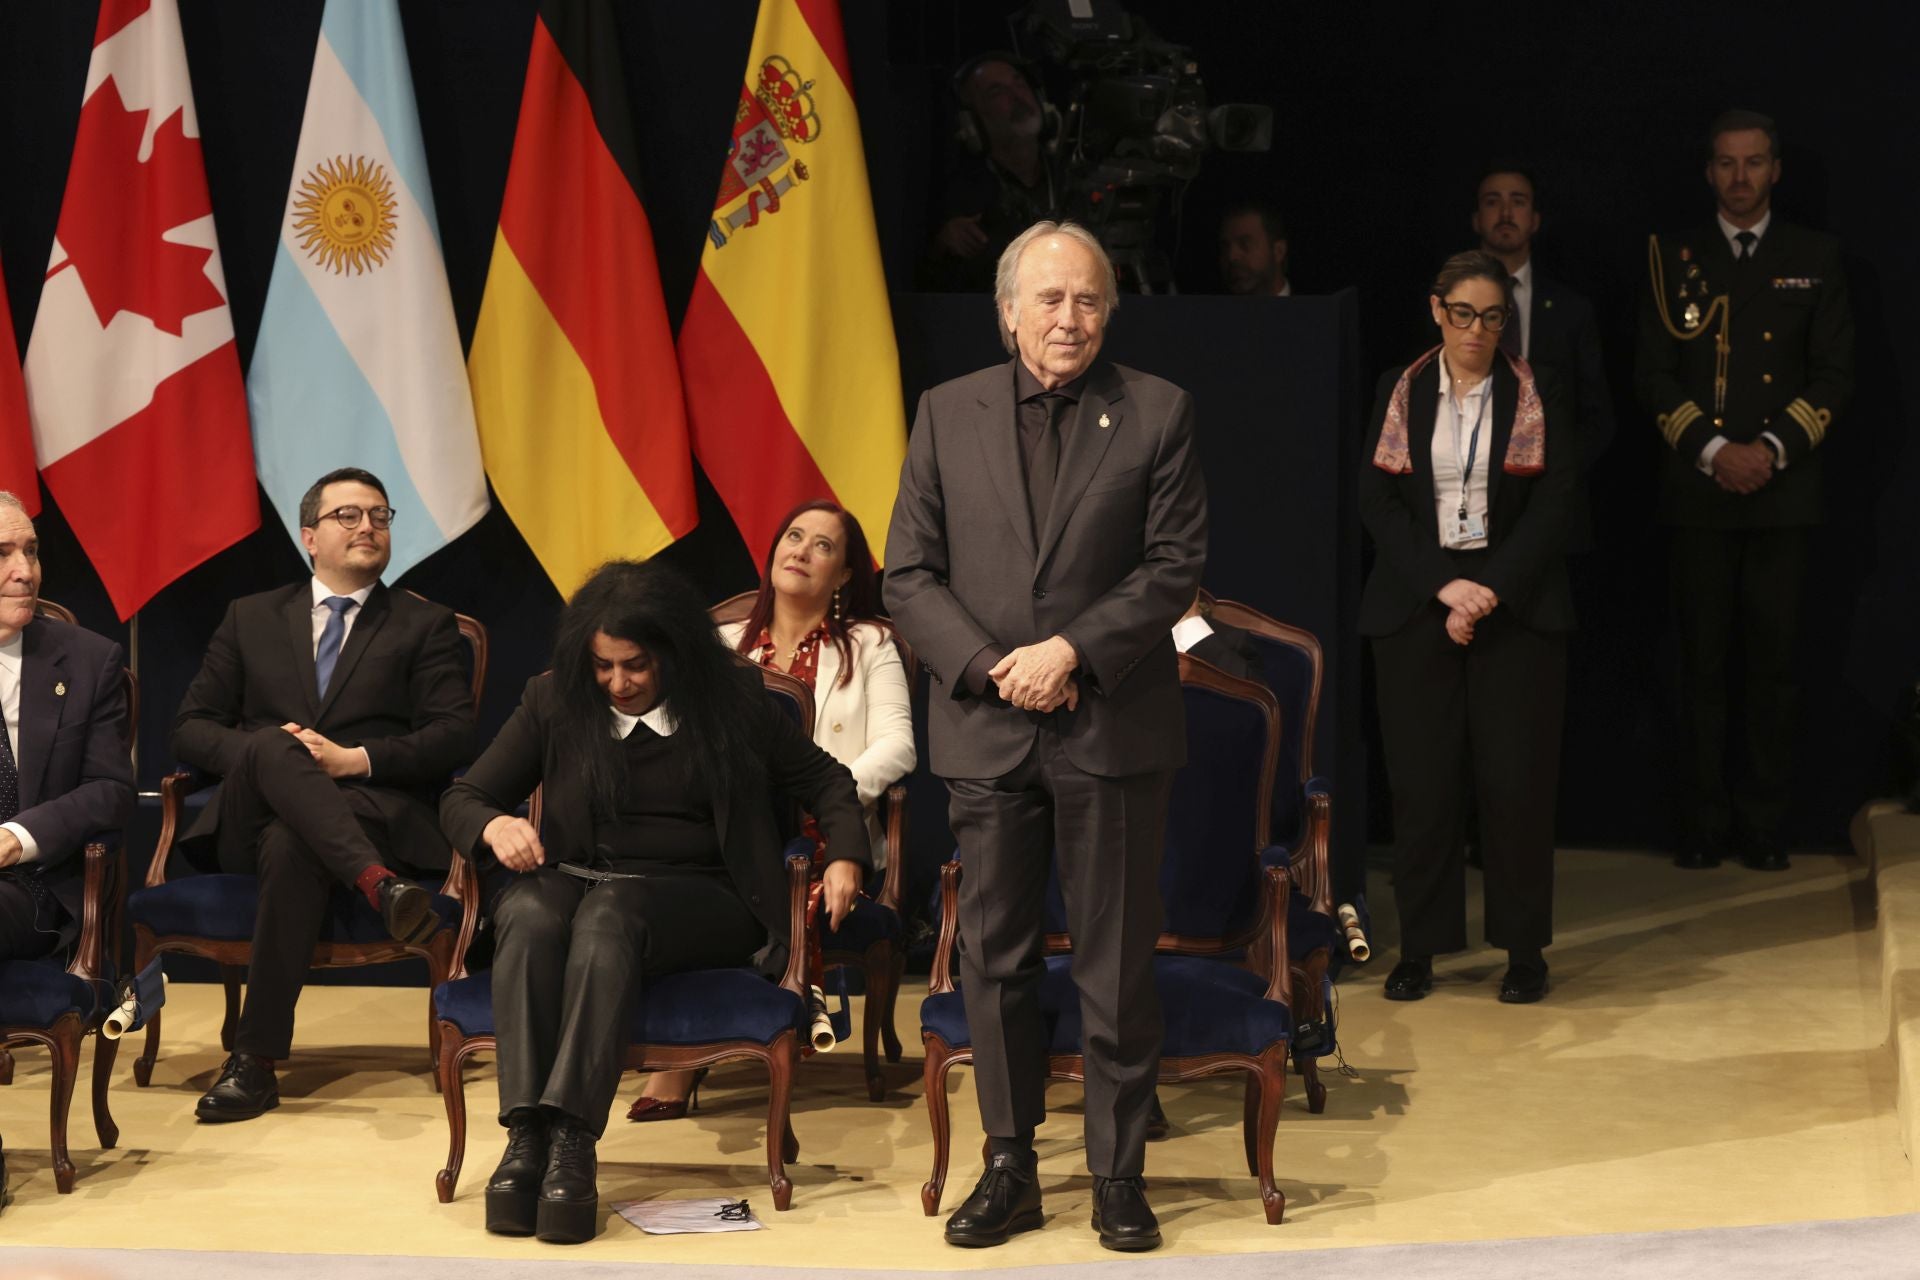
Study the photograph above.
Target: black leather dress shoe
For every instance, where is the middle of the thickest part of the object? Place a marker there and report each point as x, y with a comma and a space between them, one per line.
407, 911
1006, 1200
569, 1210
1696, 858
513, 1193
1523, 984
1122, 1217
1410, 980
246, 1088
1764, 857
1158, 1126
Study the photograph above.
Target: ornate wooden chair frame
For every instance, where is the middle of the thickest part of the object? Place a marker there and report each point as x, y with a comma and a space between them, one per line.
444, 953
1266, 1072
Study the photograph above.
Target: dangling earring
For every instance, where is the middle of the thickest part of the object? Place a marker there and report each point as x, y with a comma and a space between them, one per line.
836, 604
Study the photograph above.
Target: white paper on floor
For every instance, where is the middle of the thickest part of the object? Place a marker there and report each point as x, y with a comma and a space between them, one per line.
682, 1217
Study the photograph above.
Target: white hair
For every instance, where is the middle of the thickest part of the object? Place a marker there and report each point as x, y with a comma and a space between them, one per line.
10, 499
1006, 274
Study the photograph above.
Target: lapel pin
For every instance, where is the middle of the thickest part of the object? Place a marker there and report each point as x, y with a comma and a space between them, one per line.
60, 689
1105, 422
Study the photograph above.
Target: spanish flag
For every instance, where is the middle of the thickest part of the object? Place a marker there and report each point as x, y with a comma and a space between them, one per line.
575, 387
787, 349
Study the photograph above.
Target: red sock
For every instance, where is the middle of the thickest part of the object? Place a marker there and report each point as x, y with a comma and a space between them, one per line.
368, 882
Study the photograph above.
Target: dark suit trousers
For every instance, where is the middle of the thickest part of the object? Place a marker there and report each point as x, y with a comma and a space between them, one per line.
29, 922
1486, 717
1107, 836
284, 820
569, 966
1738, 589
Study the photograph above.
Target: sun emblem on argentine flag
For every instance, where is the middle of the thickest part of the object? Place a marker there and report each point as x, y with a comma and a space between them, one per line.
344, 214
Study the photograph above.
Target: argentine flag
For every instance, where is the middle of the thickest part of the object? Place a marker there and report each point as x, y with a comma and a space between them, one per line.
358, 362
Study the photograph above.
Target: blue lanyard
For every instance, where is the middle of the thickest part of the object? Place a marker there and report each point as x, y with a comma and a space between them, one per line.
1473, 443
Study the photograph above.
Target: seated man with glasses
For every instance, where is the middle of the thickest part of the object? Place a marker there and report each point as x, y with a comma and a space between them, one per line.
334, 712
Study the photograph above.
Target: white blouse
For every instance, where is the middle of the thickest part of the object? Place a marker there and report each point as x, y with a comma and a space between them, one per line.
1452, 441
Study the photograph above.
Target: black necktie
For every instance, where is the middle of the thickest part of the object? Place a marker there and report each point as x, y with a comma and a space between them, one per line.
9, 780
1747, 240
1044, 464
1510, 332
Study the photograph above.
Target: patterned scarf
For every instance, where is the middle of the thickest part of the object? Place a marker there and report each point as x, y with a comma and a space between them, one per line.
1526, 447
806, 658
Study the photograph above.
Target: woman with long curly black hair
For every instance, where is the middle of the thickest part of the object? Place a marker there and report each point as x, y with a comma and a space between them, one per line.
658, 853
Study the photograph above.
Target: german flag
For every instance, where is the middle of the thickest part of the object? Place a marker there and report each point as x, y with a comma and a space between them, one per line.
19, 472
787, 348
575, 387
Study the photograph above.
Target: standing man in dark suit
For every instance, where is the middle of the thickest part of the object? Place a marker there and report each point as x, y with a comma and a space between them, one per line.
1742, 487
65, 775
1050, 528
1555, 328
334, 711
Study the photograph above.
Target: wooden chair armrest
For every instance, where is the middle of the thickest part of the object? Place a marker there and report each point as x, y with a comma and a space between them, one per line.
1310, 869
799, 876
174, 790
894, 806
463, 886
1279, 889
97, 916
940, 981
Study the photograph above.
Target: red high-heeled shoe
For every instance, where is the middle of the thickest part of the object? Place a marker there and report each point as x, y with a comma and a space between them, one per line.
645, 1109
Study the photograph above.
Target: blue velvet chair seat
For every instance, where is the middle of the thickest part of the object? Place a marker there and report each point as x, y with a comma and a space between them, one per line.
223, 907
703, 1006
37, 993
1209, 1007
869, 923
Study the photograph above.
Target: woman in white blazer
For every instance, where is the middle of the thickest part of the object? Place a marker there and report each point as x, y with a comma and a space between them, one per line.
818, 618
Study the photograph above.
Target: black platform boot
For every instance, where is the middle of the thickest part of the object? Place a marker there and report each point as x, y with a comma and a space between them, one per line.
569, 1210
513, 1193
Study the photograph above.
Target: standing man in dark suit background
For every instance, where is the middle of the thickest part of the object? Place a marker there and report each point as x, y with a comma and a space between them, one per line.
65, 775
1742, 487
1555, 328
334, 712
1050, 528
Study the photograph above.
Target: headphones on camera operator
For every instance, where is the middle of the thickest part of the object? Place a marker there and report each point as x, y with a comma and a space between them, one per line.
968, 128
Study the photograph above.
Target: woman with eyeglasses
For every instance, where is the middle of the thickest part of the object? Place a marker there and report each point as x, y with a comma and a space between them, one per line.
1465, 486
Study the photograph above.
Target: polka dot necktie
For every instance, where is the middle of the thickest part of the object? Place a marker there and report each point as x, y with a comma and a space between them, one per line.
9, 781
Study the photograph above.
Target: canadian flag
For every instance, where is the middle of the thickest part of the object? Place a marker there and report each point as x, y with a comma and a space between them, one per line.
139, 411
17, 470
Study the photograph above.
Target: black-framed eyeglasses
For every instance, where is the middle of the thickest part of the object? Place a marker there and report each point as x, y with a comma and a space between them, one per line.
1462, 316
349, 517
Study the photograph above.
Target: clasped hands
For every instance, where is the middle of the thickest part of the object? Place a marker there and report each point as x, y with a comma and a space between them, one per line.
1467, 602
1742, 468
1039, 677
516, 846
335, 760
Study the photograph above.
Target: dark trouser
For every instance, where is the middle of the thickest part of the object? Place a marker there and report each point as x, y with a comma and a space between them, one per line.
284, 820
30, 921
1106, 834
1486, 716
568, 969
1749, 584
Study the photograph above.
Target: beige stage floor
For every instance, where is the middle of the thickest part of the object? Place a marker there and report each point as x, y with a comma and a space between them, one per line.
1713, 1054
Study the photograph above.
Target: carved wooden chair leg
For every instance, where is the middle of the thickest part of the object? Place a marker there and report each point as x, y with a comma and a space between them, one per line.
63, 1043
935, 1079
1249, 1123
150, 1051
1271, 1079
780, 1140
232, 975
1309, 1069
879, 969
6, 1067
897, 973
453, 1091
105, 1052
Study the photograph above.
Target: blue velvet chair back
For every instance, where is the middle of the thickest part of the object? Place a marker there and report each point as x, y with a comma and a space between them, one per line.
1290, 661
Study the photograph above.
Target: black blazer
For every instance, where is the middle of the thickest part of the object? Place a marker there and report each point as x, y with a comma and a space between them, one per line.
1564, 338
76, 777
526, 754
1527, 525
400, 690
1114, 569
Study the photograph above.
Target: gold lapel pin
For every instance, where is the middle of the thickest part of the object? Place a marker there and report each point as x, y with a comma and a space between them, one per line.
60, 689
1105, 422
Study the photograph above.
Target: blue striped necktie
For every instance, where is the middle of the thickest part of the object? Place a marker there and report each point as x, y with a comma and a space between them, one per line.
331, 637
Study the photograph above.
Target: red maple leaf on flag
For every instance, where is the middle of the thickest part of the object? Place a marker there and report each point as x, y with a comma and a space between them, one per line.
118, 207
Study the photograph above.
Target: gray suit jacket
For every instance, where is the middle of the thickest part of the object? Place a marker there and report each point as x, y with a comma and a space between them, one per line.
1113, 570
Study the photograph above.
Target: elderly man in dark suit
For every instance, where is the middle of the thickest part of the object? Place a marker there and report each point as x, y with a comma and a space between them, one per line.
334, 712
1049, 530
64, 772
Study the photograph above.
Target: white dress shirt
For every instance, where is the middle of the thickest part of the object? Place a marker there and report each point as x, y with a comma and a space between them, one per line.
10, 659
1523, 306
321, 593
1713, 446
1452, 433
1189, 632
656, 718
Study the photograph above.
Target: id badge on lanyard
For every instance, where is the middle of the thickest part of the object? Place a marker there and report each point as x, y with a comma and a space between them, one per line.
1469, 528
